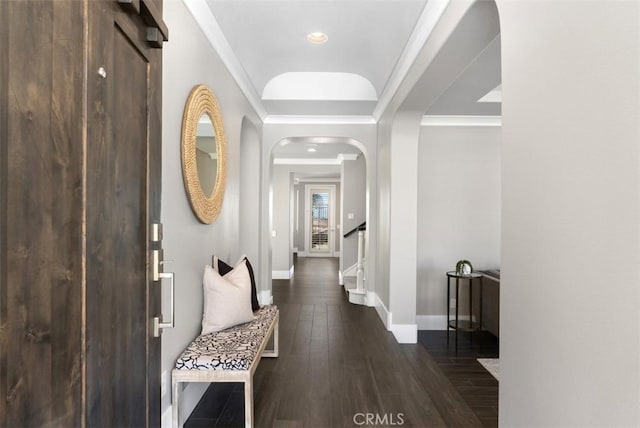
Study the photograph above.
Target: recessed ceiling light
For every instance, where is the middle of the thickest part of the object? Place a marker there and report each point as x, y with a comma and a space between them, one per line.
317, 38
311, 150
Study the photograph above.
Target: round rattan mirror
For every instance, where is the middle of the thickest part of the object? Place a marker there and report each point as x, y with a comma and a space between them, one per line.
204, 154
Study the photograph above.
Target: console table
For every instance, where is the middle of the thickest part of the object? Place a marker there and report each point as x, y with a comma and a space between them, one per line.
455, 323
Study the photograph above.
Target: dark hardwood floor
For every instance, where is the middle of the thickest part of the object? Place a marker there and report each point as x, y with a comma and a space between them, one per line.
477, 386
338, 363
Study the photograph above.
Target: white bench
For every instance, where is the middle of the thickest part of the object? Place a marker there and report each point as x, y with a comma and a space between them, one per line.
231, 355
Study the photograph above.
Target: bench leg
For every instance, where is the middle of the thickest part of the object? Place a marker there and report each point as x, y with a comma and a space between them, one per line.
273, 353
175, 404
248, 402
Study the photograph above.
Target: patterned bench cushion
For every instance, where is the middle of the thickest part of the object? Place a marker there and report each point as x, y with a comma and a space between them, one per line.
232, 349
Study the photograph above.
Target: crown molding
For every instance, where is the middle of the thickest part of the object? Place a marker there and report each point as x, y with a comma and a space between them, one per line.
319, 120
318, 180
426, 23
209, 26
461, 121
318, 140
305, 161
316, 161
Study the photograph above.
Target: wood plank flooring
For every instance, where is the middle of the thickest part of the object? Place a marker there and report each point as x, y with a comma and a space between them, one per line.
476, 385
337, 364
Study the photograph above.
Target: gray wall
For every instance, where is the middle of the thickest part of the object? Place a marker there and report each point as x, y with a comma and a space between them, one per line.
383, 210
282, 194
459, 205
299, 226
250, 192
398, 191
570, 303
188, 61
282, 260
354, 198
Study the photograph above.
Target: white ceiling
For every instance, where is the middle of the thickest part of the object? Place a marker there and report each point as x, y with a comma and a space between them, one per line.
372, 45
366, 38
480, 77
369, 43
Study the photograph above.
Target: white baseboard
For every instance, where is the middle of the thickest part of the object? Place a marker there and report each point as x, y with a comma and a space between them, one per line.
405, 333
302, 254
382, 310
265, 297
282, 274
371, 299
437, 322
340, 278
432, 322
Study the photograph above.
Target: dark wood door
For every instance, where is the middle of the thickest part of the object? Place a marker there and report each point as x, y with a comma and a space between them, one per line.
41, 213
123, 200
80, 184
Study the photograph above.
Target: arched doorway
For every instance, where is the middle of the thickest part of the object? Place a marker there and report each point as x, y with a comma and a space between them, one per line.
306, 171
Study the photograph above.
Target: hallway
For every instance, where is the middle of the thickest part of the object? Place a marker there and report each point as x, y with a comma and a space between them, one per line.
337, 363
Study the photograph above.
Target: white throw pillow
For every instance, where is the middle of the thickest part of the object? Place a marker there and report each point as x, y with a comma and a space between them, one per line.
227, 301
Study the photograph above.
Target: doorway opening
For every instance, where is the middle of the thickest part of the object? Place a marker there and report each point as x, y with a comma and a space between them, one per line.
318, 191
320, 215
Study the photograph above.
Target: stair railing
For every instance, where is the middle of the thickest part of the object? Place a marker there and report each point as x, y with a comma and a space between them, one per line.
360, 265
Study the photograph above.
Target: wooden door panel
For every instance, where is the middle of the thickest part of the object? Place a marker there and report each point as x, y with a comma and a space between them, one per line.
41, 159
80, 173
117, 222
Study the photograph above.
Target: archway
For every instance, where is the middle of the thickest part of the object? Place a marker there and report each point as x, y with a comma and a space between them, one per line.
292, 172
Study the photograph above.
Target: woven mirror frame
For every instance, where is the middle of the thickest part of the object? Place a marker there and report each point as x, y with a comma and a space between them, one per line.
201, 102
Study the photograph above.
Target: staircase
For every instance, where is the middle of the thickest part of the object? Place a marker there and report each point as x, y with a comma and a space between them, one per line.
354, 280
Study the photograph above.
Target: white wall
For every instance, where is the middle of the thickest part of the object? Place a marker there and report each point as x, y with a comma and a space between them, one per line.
570, 308
189, 60
459, 209
353, 195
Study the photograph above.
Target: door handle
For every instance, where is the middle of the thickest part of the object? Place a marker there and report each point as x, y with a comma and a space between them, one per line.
158, 323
